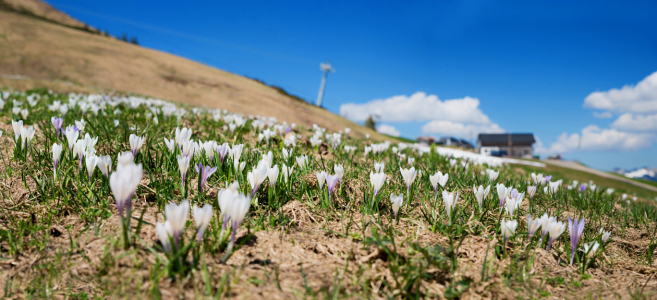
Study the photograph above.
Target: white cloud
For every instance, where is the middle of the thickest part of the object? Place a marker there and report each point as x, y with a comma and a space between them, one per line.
639, 98
603, 115
456, 117
460, 130
631, 122
387, 129
539, 148
417, 107
594, 138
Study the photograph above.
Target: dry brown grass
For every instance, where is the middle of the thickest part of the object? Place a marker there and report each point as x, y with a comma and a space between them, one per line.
41, 9
285, 256
69, 60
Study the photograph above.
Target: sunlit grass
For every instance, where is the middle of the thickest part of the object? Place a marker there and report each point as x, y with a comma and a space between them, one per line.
442, 241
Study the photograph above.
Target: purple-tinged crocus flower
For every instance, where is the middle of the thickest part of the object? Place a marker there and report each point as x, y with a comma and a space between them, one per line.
204, 172
57, 123
582, 188
548, 178
531, 191
576, 229
331, 182
222, 151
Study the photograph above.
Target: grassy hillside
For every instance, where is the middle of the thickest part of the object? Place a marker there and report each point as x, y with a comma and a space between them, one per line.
569, 174
65, 59
43, 10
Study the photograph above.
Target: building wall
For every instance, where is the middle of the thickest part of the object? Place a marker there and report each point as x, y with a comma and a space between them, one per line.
488, 150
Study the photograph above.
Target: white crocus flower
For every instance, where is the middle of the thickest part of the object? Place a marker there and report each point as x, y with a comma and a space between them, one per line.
187, 148
171, 144
225, 199
511, 205
268, 158
555, 229
508, 228
209, 148
124, 184
177, 216
235, 154
367, 151
321, 178
285, 171
605, 234
531, 191
443, 179
287, 154
91, 162
183, 165
379, 167
182, 136
104, 164
17, 126
480, 194
452, 162
590, 249
237, 211
302, 161
409, 177
538, 179
124, 159
196, 149
80, 124
502, 193
554, 186
377, 180
434, 181
272, 174
79, 149
257, 176
545, 221
492, 175
532, 226
397, 202
27, 134
450, 203
202, 217
56, 154
339, 170
164, 233
72, 136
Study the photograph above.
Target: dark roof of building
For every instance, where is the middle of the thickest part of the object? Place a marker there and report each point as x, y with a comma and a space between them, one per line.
503, 138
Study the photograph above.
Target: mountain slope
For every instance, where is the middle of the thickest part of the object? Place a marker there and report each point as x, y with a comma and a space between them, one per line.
64, 59
40, 9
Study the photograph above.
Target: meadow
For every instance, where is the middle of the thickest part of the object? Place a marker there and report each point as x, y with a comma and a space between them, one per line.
123, 196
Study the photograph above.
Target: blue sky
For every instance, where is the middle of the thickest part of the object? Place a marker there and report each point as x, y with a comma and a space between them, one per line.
530, 64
